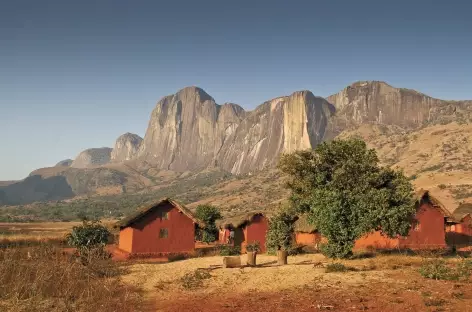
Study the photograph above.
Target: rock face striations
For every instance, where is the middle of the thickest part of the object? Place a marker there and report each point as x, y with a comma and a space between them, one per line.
281, 125
126, 147
189, 131
92, 157
377, 102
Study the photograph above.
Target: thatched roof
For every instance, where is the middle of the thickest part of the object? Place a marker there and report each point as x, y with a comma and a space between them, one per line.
425, 196
143, 211
462, 211
302, 225
239, 220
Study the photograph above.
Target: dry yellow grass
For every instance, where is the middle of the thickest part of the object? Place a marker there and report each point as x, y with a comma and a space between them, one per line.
301, 271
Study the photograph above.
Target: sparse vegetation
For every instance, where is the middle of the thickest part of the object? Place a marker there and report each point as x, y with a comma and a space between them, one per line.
253, 247
338, 267
194, 279
439, 269
226, 250
43, 278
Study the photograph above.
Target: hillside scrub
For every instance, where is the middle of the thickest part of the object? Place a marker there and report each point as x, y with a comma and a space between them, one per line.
347, 194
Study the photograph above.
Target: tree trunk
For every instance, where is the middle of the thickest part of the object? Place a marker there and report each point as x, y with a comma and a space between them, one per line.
282, 257
251, 258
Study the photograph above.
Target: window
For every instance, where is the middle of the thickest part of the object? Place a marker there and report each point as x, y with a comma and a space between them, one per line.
164, 215
416, 226
163, 233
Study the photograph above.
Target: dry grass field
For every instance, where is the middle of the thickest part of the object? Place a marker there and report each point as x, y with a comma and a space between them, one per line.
381, 283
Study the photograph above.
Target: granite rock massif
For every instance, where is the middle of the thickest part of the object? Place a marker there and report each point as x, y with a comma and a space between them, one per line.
189, 131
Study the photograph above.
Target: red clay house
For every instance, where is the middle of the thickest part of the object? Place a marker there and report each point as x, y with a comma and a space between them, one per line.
248, 228
160, 228
459, 230
427, 231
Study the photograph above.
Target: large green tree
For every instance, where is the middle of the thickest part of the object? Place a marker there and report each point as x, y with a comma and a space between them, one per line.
347, 194
208, 214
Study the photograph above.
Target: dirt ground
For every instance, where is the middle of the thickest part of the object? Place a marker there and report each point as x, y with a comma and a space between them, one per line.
383, 283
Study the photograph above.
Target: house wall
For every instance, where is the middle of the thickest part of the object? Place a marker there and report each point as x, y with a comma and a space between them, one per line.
430, 234
145, 237
126, 239
460, 234
310, 239
256, 230
376, 240
223, 236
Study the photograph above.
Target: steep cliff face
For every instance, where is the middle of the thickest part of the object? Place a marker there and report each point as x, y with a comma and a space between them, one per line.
282, 125
92, 157
187, 129
126, 147
379, 103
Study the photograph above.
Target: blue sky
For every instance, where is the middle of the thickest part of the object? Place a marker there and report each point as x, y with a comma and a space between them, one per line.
77, 74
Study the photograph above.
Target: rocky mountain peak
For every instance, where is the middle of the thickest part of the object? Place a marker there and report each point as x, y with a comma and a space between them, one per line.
92, 157
64, 163
126, 147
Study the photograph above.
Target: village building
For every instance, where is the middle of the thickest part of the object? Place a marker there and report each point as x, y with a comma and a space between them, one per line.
160, 228
306, 234
248, 228
427, 231
459, 228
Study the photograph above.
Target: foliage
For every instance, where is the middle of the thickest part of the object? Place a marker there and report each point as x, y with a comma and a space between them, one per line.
90, 235
253, 247
347, 194
280, 233
208, 214
194, 279
439, 269
226, 250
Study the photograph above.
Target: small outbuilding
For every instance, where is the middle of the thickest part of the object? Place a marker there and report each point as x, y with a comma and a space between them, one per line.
459, 228
427, 230
306, 233
159, 228
248, 228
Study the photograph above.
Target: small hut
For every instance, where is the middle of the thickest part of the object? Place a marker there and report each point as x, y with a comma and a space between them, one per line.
159, 228
306, 233
248, 228
459, 228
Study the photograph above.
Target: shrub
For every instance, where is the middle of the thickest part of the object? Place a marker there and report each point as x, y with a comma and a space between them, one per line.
280, 233
442, 186
194, 279
226, 250
253, 247
338, 267
89, 235
208, 214
438, 269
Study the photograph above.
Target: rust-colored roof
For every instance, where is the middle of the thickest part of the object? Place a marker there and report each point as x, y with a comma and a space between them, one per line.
143, 211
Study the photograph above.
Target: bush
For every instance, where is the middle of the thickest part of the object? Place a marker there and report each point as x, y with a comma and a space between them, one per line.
194, 279
280, 233
226, 250
442, 186
253, 247
89, 235
208, 214
439, 269
338, 267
